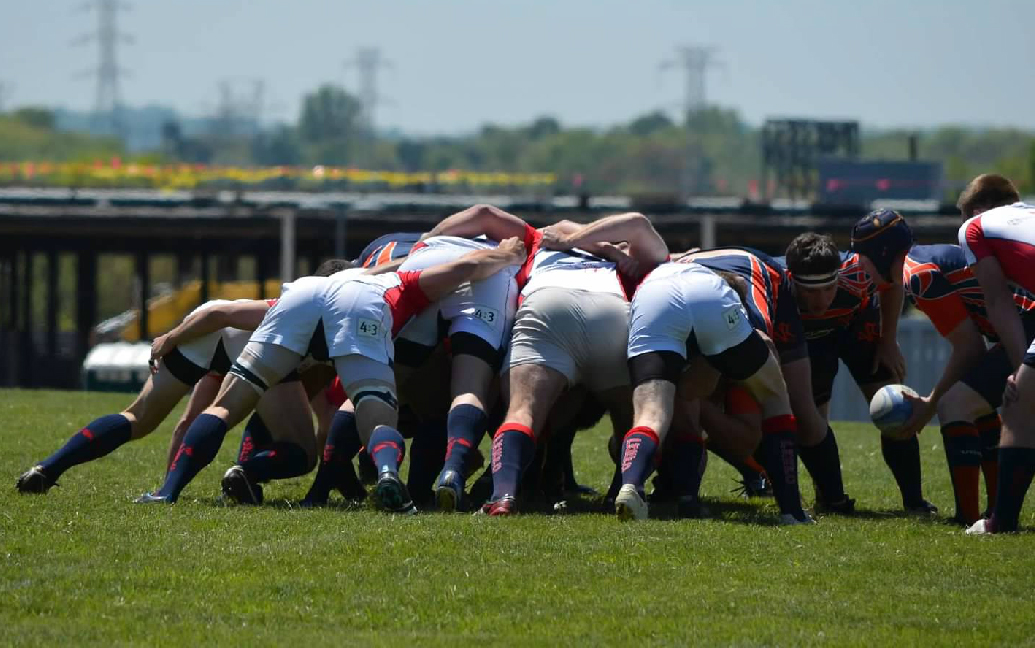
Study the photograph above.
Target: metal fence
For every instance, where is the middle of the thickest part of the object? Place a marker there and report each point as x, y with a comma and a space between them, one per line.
926, 353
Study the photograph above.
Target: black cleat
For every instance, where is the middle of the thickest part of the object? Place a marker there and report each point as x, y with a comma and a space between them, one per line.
449, 491
689, 507
758, 486
390, 494
845, 506
34, 481
921, 507
239, 489
151, 498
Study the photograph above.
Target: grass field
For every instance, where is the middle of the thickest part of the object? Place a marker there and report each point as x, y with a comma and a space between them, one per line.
84, 565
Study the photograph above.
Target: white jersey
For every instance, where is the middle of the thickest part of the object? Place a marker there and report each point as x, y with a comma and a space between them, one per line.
574, 270
205, 350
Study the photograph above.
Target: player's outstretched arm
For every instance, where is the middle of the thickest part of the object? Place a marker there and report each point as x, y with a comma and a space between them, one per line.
480, 220
1002, 312
888, 351
645, 244
438, 281
240, 315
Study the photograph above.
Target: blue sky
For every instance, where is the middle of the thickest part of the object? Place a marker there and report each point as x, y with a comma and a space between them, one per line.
461, 63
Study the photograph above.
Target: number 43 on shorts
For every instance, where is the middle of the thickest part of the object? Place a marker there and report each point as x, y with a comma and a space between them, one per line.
368, 327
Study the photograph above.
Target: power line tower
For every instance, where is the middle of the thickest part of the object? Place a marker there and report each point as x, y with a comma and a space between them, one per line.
369, 62
107, 102
694, 60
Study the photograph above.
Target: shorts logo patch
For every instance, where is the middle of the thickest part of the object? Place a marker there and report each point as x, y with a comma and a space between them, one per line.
488, 315
368, 328
732, 317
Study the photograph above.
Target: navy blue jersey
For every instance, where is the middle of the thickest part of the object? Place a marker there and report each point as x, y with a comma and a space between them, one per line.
942, 285
387, 248
770, 302
856, 292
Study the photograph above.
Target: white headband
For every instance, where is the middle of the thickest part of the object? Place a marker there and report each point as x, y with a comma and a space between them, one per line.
817, 280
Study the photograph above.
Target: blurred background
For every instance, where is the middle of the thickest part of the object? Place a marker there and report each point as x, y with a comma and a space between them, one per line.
165, 153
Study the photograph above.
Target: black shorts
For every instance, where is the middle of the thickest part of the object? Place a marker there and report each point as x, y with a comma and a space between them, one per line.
856, 346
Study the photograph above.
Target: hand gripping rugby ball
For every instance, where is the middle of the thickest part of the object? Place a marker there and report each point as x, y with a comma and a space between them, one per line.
890, 410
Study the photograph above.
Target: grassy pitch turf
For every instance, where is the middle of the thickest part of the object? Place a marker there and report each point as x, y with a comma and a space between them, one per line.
84, 565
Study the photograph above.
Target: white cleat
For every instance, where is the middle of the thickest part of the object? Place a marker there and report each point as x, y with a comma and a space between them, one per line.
981, 527
629, 504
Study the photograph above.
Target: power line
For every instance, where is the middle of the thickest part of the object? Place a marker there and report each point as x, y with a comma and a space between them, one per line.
369, 62
694, 61
108, 99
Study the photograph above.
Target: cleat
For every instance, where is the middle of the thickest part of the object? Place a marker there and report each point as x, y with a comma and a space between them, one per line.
449, 491
689, 507
844, 507
922, 507
581, 490
758, 486
151, 498
787, 519
390, 494
630, 505
984, 526
34, 481
503, 507
239, 489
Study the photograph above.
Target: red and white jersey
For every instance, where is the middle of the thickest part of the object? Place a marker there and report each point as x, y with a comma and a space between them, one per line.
401, 291
1008, 234
574, 270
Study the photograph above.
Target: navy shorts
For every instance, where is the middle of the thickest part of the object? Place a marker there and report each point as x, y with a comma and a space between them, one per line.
856, 346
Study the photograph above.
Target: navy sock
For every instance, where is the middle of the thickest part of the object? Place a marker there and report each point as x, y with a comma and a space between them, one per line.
92, 442
277, 460
903, 458
256, 435
427, 452
823, 461
780, 460
963, 454
616, 484
513, 448
200, 445
466, 427
1016, 468
637, 454
387, 448
685, 459
336, 464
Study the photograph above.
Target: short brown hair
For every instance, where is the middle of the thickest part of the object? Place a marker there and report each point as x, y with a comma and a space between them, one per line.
987, 191
812, 253
737, 283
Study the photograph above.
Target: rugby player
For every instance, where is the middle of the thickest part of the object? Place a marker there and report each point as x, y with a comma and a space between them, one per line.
998, 239
970, 389
850, 304
351, 318
571, 329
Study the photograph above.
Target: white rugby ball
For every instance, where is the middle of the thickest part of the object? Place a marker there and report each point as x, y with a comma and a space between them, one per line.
890, 410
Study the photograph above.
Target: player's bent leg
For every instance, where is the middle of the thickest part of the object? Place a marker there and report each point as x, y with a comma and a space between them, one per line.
471, 378
101, 436
533, 390
336, 471
259, 366
1016, 455
958, 410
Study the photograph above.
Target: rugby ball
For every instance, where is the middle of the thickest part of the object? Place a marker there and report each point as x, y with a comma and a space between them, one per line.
890, 410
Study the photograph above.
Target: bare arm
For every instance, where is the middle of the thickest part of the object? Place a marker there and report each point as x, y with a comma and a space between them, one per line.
390, 266
240, 315
491, 221
1002, 311
888, 352
645, 244
438, 281
812, 427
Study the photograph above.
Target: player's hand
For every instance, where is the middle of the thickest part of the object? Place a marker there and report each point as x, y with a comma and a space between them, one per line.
923, 411
554, 239
162, 345
514, 248
890, 355
1010, 392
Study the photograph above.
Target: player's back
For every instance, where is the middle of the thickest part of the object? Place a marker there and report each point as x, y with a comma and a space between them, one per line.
388, 247
1008, 234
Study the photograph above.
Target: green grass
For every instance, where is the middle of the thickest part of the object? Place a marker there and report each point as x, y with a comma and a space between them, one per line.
84, 565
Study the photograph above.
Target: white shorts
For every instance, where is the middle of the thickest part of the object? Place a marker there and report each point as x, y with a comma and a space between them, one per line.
202, 351
484, 309
354, 315
579, 333
680, 300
